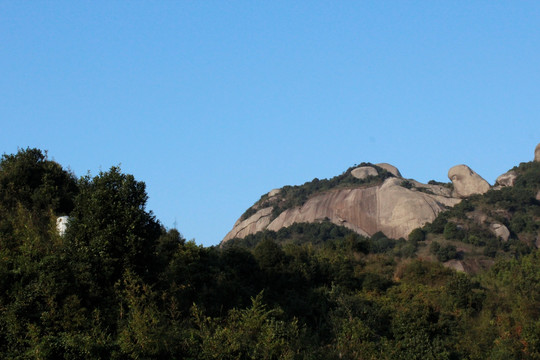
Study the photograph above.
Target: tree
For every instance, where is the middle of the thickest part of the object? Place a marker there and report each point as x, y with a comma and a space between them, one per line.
110, 231
417, 235
30, 179
251, 333
452, 232
33, 190
269, 255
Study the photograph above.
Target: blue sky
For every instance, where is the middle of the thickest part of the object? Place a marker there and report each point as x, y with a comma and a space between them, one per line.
214, 103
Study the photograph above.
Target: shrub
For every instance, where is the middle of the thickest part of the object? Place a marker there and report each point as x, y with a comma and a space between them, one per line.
443, 253
452, 232
417, 235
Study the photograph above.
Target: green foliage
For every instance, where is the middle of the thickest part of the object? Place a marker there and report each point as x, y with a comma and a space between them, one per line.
379, 243
359, 325
406, 249
252, 333
464, 293
110, 229
417, 235
319, 234
28, 178
407, 184
142, 330
32, 191
422, 332
516, 207
434, 247
443, 253
375, 282
447, 185
437, 225
269, 254
119, 286
453, 232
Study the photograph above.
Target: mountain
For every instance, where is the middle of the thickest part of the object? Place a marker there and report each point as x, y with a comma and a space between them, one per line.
118, 285
371, 198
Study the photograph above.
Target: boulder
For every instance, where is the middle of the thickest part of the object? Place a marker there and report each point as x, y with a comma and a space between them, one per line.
537, 153
274, 192
390, 168
500, 230
363, 172
466, 181
456, 265
507, 179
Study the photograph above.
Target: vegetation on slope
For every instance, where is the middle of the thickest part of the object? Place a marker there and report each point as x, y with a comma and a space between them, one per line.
515, 207
120, 286
292, 196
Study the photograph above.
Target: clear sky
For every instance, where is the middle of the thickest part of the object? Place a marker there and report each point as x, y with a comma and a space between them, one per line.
214, 103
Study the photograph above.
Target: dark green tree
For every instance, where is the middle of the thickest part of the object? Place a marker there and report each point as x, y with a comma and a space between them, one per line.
417, 235
111, 232
28, 178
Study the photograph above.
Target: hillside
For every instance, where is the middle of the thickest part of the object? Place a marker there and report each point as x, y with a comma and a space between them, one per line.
465, 223
118, 285
367, 199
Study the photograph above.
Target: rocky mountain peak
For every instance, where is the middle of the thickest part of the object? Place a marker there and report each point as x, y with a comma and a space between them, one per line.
367, 199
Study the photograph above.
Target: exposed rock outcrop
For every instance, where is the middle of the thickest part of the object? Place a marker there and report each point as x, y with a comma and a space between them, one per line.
466, 181
506, 179
382, 200
274, 192
402, 210
353, 208
390, 168
456, 265
500, 230
255, 223
363, 172
389, 207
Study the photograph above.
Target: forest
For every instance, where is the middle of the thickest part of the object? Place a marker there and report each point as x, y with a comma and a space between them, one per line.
119, 285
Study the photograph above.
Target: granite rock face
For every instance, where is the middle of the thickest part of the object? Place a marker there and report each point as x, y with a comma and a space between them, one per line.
253, 224
467, 182
389, 207
506, 179
390, 168
363, 172
274, 192
386, 202
401, 210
